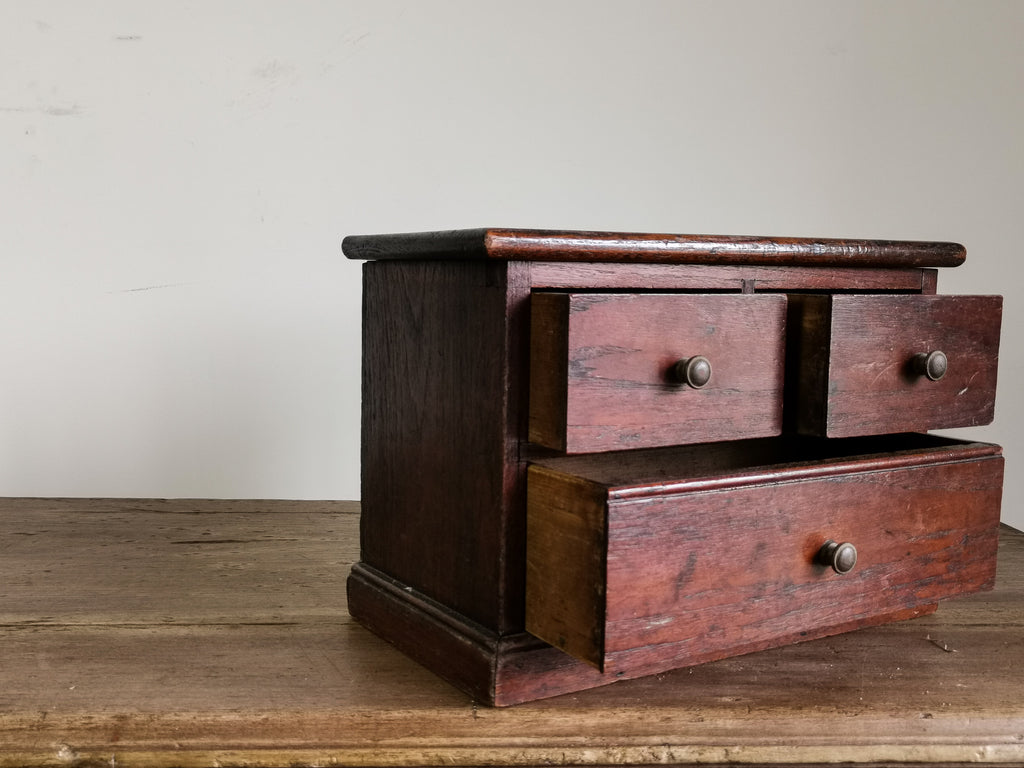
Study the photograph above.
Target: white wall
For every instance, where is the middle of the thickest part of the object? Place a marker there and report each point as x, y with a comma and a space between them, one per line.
176, 318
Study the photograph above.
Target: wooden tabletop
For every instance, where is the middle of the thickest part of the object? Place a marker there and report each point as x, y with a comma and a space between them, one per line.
202, 633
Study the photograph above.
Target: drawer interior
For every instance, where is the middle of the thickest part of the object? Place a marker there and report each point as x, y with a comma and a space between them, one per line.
738, 460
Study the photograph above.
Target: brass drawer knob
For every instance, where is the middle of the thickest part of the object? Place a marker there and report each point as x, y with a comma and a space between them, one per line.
839, 557
931, 364
692, 371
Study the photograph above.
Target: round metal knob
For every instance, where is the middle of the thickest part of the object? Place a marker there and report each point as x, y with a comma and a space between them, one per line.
693, 371
839, 557
931, 364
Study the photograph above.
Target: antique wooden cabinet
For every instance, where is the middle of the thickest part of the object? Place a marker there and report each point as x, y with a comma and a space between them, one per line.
594, 456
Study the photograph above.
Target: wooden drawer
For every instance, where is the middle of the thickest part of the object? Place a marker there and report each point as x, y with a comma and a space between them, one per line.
604, 375
651, 560
857, 363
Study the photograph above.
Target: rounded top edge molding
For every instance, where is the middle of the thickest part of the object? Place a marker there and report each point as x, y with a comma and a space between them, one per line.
573, 245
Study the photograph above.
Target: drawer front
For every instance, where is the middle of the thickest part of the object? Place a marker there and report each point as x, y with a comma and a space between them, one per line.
864, 368
608, 371
647, 582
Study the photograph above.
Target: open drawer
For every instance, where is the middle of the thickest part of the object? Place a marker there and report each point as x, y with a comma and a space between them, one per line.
615, 371
646, 560
874, 364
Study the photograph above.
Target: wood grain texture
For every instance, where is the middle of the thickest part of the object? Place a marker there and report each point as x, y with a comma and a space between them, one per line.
550, 245
183, 562
700, 577
452, 647
549, 369
697, 575
566, 525
852, 372
441, 417
712, 277
613, 388
445, 451
787, 458
151, 665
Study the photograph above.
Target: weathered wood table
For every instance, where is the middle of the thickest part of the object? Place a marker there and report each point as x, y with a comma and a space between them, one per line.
187, 633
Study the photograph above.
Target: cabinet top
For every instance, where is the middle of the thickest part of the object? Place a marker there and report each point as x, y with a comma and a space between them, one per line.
555, 245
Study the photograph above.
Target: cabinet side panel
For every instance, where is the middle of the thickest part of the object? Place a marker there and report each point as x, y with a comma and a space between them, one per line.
435, 405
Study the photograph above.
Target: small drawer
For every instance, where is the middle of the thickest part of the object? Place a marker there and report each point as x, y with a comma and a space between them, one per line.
617, 371
881, 364
650, 560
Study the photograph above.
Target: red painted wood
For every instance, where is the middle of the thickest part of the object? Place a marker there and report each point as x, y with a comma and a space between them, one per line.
613, 389
738, 568
709, 277
645, 474
853, 363
548, 245
700, 574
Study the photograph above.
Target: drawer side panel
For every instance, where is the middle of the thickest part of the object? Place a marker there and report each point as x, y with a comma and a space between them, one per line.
565, 563
549, 360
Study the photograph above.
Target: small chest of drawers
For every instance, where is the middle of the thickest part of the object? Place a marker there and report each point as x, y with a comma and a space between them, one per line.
594, 456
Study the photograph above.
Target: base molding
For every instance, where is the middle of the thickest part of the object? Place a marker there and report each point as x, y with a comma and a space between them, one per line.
511, 669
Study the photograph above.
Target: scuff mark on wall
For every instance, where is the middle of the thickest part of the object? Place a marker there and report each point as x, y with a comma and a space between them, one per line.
74, 109
271, 78
53, 111
151, 288
273, 70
